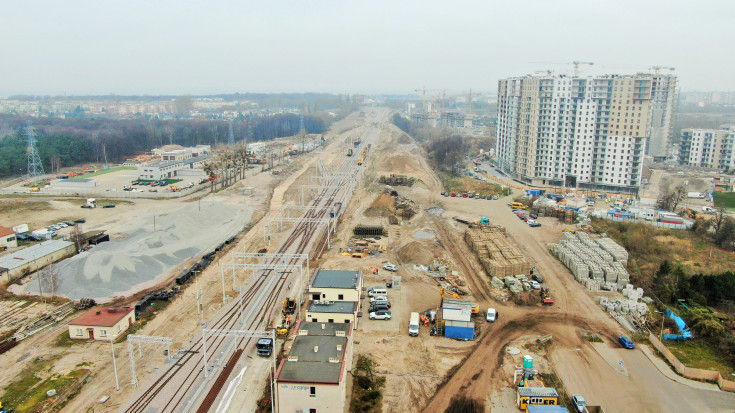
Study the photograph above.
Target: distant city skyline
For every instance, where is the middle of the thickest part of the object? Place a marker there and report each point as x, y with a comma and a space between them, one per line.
176, 48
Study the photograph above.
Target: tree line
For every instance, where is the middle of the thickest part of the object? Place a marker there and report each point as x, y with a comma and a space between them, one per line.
68, 142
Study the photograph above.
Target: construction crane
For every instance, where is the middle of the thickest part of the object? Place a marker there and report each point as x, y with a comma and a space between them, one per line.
423, 94
576, 64
657, 69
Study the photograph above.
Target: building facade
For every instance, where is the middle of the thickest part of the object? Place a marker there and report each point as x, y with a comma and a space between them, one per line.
708, 148
7, 238
35, 257
313, 376
664, 99
104, 324
587, 133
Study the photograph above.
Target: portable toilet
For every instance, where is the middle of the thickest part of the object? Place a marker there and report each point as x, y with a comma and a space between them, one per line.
527, 362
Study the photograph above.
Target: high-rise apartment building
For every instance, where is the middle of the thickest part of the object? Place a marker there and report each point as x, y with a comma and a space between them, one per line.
708, 148
576, 132
664, 101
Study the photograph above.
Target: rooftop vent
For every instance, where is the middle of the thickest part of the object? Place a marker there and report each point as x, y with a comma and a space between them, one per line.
316, 349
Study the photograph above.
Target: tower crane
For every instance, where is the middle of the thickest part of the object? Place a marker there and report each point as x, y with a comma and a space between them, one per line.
423, 95
657, 69
576, 64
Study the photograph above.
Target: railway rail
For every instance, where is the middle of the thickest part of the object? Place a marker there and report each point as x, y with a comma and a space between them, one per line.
172, 390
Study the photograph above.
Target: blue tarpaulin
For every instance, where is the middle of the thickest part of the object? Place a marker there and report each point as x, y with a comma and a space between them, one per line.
685, 333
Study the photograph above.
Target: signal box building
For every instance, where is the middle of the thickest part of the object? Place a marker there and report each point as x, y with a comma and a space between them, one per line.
312, 378
336, 285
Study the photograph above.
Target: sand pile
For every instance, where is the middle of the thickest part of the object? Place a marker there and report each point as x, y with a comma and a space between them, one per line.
416, 253
135, 261
400, 163
384, 206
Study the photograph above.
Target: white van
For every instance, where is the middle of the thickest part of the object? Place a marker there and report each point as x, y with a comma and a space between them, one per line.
413, 325
372, 292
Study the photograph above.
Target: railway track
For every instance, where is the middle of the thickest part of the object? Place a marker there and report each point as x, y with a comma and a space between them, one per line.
169, 391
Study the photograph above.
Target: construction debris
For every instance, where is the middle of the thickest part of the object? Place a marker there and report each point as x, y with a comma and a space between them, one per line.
498, 255
368, 230
34, 326
397, 180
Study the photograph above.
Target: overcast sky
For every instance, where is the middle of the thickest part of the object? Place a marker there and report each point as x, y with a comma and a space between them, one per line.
369, 46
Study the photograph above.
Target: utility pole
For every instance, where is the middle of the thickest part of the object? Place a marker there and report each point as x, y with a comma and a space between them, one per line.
114, 364
35, 167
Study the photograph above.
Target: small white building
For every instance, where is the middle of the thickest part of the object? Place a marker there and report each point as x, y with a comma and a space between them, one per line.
333, 312
169, 169
105, 324
7, 238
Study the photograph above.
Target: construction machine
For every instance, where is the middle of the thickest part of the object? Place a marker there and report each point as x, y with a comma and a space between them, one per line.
289, 305
546, 296
444, 292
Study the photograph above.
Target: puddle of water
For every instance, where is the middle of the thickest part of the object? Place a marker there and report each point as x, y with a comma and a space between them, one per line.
423, 234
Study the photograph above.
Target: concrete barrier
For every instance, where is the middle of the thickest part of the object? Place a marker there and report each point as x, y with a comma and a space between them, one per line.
690, 372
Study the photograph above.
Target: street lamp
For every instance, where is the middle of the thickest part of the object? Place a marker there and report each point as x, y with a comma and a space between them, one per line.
661, 334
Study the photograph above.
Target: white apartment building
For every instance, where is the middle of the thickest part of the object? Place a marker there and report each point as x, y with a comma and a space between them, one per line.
708, 148
663, 108
587, 133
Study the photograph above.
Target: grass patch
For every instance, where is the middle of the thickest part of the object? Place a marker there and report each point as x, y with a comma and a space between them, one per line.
453, 183
64, 340
107, 171
28, 392
699, 354
725, 200
12, 206
649, 246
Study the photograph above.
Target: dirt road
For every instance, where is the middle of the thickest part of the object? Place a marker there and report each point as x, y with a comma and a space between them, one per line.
645, 390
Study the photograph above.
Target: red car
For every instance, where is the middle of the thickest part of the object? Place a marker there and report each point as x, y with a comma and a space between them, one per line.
519, 215
465, 195
454, 194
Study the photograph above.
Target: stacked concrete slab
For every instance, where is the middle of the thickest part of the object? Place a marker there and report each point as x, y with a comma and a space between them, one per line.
601, 260
498, 255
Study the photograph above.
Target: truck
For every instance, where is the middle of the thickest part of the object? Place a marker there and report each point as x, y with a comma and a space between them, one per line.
413, 325
697, 195
91, 203
264, 347
546, 296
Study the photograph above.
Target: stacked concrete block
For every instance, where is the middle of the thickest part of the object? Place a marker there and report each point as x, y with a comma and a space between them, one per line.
496, 282
497, 254
615, 249
601, 261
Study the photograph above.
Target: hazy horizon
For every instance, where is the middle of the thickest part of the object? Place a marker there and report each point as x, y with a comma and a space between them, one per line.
177, 48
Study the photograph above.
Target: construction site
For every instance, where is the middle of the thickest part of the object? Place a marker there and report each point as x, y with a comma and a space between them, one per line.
270, 294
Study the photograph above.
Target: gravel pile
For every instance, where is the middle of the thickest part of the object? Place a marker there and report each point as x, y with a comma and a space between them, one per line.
133, 263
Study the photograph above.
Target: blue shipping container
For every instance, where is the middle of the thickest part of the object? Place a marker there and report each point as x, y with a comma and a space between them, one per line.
459, 329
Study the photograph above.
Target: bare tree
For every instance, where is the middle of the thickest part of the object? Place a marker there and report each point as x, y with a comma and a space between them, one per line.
50, 280
719, 220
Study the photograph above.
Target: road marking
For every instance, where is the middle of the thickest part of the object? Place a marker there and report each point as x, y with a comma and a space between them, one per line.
230, 392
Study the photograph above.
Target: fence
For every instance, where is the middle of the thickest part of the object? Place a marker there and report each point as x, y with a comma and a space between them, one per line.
690, 372
651, 223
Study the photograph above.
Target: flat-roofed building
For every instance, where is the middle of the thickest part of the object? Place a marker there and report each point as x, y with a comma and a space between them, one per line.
312, 377
98, 323
35, 257
336, 285
333, 312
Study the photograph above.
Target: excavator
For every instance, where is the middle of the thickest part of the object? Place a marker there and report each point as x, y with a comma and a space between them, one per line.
443, 292
546, 296
289, 307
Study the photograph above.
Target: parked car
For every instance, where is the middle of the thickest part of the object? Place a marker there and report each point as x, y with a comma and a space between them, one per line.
109, 206
378, 298
535, 285
34, 238
379, 306
495, 197
69, 223
390, 267
579, 403
534, 216
492, 315
382, 303
534, 224
454, 194
483, 196
626, 342
61, 225
380, 315
21, 237
537, 278
519, 214
529, 221
80, 221
444, 193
